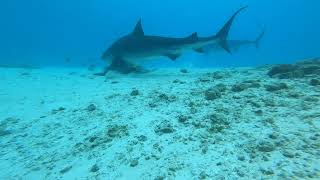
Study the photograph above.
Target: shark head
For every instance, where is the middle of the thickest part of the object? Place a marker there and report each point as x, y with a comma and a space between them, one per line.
122, 47
115, 50
107, 55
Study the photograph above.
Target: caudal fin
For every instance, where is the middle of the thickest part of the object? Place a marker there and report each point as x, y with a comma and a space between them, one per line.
224, 32
259, 38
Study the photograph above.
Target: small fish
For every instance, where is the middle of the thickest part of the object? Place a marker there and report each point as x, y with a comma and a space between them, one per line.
67, 60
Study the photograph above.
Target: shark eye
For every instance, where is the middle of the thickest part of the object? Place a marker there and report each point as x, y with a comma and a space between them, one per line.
106, 55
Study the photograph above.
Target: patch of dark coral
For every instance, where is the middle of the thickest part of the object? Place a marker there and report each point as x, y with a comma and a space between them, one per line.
213, 123
245, 85
164, 128
215, 92
276, 87
297, 70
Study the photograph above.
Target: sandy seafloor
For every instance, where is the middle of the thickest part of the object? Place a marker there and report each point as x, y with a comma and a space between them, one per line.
68, 124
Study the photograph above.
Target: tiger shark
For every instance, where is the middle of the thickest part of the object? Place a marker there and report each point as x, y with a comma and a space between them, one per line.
126, 52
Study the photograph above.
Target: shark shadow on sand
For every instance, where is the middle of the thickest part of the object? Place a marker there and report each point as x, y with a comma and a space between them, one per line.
132, 48
123, 67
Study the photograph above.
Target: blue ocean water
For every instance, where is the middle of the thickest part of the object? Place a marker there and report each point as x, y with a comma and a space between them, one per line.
186, 118
48, 32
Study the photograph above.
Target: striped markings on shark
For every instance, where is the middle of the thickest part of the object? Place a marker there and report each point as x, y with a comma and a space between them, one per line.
124, 53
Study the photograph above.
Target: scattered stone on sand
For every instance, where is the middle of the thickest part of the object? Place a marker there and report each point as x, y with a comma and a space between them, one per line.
184, 71
238, 87
92, 142
297, 70
240, 173
203, 175
288, 154
66, 169
161, 98
314, 82
142, 138
183, 118
91, 108
164, 128
221, 87
164, 97
252, 83
216, 123
117, 131
204, 148
266, 146
60, 109
245, 85
3, 127
254, 103
276, 87
212, 94
94, 168
273, 135
161, 177
269, 102
267, 171
93, 138
4, 132
241, 157
177, 81
293, 94
311, 99
269, 121
204, 80
9, 121
134, 92
218, 75
258, 112
134, 162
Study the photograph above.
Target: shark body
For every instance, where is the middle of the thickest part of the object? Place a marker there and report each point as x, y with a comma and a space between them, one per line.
136, 46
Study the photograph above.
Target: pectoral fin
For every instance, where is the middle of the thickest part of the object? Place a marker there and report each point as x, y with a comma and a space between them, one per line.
172, 56
198, 50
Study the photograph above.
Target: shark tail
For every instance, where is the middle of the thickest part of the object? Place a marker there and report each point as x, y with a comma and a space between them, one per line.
224, 32
257, 42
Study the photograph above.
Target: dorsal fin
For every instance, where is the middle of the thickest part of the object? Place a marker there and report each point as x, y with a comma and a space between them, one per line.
138, 30
193, 36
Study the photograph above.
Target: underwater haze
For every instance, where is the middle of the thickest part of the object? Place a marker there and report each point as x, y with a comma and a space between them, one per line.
48, 32
159, 89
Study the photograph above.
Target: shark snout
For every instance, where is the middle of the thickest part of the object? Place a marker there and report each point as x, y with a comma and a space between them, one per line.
106, 56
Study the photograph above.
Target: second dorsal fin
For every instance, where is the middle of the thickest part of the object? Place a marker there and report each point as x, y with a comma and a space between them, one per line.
193, 36
138, 30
